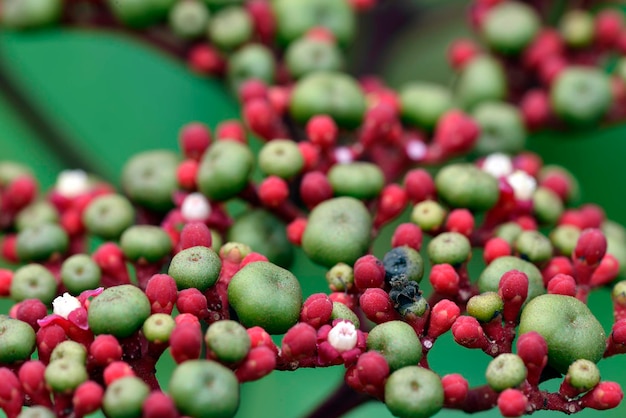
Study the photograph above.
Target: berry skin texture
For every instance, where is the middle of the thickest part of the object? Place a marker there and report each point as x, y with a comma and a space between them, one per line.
17, 340
266, 295
282, 158
510, 26
119, 310
512, 403
227, 341
147, 242
467, 186
204, 389
361, 180
224, 170
337, 231
397, 342
489, 280
571, 331
195, 267
414, 392
124, 397
505, 371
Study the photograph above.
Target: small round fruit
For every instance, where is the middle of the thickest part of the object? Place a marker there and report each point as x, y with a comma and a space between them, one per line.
359, 179
570, 329
449, 248
230, 27
145, 242
204, 389
33, 281
397, 342
158, 327
188, 19
119, 310
482, 79
403, 262
510, 26
422, 104
266, 295
505, 371
307, 55
251, 61
17, 340
467, 186
108, 216
224, 170
64, 375
69, 350
40, 242
581, 96
79, 272
124, 397
414, 392
149, 178
326, 92
489, 279
577, 28
37, 213
502, 128
22, 14
547, 205
228, 341
338, 230
282, 158
195, 267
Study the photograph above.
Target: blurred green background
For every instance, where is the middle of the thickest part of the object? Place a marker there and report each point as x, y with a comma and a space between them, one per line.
109, 97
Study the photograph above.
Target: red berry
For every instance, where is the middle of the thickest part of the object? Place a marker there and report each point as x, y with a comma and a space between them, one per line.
461, 52
205, 59
467, 332
299, 342
315, 188
536, 109
159, 405
369, 272
232, 130
105, 349
295, 230
193, 302
513, 289
442, 316
322, 131
494, 248
259, 363
455, 388
87, 398
252, 89
117, 370
461, 221
391, 203
194, 138
562, 284
273, 191
162, 293
407, 234
608, 26
377, 306
606, 395
186, 174
185, 342
512, 403
310, 154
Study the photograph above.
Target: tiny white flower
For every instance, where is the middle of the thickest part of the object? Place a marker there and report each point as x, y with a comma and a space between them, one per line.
64, 305
523, 184
343, 336
343, 155
416, 150
196, 207
71, 183
498, 165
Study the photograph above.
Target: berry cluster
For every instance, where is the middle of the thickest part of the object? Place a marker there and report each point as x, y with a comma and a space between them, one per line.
106, 282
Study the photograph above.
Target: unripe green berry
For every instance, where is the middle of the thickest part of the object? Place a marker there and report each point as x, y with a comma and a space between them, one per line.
482, 79
124, 397
341, 311
149, 178
189, 19
583, 374
340, 277
145, 242
429, 215
359, 179
489, 280
281, 157
37, 213
307, 55
36, 412
108, 216
33, 281
508, 231
422, 104
467, 186
248, 62
502, 128
534, 246
547, 205
506, 371
40, 242
577, 28
158, 328
449, 248
17, 340
510, 26
564, 238
119, 310
485, 306
228, 341
397, 342
234, 251
70, 350
224, 170
230, 27
414, 392
79, 272
195, 267
65, 374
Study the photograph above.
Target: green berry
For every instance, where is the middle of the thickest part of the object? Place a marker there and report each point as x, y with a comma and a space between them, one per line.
508, 231
195, 267
547, 206
40, 242
548, 169
108, 216
124, 397
482, 79
119, 310
502, 128
570, 329
37, 213
307, 55
158, 328
204, 389
506, 371
149, 178
403, 262
33, 281
188, 19
489, 279
422, 104
230, 27
266, 295
23, 14
65, 374
340, 277
397, 342
145, 242
264, 233
79, 272
359, 179
17, 340
328, 92
510, 26
429, 215
583, 374
534, 247
485, 306
464, 185
36, 412
564, 238
251, 61
577, 28
414, 392
69, 350
228, 341
449, 248
224, 170
341, 311
338, 230
282, 158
